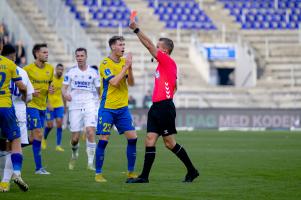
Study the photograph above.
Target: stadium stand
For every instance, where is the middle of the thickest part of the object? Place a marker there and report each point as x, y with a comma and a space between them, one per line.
40, 30
277, 49
152, 25
109, 14
260, 14
196, 93
181, 14
271, 30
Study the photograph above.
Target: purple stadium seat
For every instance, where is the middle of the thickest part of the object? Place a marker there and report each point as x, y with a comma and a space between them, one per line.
173, 12
111, 13
261, 14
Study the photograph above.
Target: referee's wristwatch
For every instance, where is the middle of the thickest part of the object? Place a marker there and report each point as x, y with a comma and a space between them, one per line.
136, 30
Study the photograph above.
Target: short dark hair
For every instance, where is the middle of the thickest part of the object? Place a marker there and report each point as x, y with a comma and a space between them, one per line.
59, 65
114, 39
8, 49
81, 49
37, 48
94, 67
168, 44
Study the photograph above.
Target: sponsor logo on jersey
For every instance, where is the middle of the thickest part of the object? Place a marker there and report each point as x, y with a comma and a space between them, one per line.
167, 90
82, 84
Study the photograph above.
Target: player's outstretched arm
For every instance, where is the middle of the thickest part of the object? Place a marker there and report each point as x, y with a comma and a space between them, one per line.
143, 38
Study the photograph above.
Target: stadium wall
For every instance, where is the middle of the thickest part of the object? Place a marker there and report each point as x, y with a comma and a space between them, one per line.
229, 118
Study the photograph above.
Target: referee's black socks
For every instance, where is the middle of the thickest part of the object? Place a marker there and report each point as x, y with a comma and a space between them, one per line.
183, 156
149, 157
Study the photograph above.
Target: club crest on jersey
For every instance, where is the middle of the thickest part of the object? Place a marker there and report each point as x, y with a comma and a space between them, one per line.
90, 77
157, 74
107, 72
104, 62
66, 78
47, 72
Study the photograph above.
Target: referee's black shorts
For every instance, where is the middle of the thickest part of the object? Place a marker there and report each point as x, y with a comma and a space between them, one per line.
161, 118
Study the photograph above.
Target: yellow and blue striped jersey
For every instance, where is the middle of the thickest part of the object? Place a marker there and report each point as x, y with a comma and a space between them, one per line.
112, 97
56, 99
8, 72
40, 79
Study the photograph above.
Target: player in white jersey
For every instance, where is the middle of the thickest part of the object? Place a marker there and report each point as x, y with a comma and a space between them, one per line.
20, 110
82, 80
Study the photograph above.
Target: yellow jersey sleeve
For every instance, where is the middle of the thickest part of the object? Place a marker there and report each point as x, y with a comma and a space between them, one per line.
40, 78
104, 69
8, 73
56, 99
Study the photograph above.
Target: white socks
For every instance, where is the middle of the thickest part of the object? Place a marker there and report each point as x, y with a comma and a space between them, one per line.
90, 149
8, 169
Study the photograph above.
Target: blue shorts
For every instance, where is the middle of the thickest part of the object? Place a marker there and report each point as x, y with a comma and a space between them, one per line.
56, 113
35, 118
121, 118
9, 127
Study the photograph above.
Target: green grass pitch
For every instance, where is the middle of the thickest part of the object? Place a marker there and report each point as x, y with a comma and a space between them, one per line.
233, 165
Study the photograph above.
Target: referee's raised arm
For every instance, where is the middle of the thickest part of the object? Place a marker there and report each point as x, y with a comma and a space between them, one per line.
143, 38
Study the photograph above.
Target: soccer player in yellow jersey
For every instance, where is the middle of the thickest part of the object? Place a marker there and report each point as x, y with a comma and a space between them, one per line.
55, 109
8, 121
40, 74
116, 74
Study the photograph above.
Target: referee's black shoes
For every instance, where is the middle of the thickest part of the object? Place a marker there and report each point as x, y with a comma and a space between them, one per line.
190, 176
137, 180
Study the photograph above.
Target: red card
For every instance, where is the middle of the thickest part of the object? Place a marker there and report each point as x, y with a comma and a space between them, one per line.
133, 15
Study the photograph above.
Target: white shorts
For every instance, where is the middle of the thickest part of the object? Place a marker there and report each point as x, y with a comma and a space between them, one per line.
21, 116
81, 118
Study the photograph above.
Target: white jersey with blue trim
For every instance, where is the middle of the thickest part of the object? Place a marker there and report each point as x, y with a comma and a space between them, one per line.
82, 85
16, 95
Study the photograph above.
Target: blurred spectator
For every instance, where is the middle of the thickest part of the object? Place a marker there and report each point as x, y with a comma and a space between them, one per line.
132, 102
21, 54
3, 30
5, 33
147, 100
